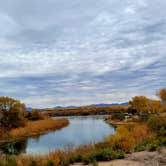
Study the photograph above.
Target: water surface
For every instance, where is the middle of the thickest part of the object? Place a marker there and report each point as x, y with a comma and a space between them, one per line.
81, 130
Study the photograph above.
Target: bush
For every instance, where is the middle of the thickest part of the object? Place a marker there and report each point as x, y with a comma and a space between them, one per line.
34, 163
163, 141
34, 115
140, 147
12, 113
50, 163
157, 124
8, 161
94, 163
123, 139
118, 116
104, 154
152, 143
139, 132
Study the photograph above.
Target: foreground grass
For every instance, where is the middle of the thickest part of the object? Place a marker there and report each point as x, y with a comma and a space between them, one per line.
86, 154
34, 128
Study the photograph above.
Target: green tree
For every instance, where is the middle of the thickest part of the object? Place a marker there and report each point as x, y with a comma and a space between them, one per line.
12, 113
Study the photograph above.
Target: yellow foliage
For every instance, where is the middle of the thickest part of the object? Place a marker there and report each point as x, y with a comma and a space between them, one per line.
140, 103
156, 106
139, 132
162, 94
127, 137
123, 139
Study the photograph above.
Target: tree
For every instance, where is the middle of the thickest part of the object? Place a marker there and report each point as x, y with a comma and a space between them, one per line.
11, 113
34, 115
157, 124
156, 106
162, 95
141, 104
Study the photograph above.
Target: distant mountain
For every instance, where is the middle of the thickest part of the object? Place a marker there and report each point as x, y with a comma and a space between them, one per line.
29, 109
95, 105
108, 105
71, 106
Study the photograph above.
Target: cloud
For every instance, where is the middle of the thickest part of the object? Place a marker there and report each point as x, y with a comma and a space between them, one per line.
81, 52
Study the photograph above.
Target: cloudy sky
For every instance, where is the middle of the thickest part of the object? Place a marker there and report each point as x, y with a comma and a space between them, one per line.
78, 52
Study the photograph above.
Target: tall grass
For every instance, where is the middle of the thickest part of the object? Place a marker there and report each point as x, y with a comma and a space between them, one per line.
33, 128
86, 154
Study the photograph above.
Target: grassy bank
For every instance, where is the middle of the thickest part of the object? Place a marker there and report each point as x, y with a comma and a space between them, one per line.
86, 154
33, 128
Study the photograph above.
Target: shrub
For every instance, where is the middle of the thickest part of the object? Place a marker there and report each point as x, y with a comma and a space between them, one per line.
14, 147
157, 124
87, 158
163, 141
123, 139
12, 113
151, 143
8, 161
104, 154
118, 116
139, 132
50, 163
94, 163
34, 163
34, 115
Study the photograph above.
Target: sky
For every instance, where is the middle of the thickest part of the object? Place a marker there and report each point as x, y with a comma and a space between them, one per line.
81, 52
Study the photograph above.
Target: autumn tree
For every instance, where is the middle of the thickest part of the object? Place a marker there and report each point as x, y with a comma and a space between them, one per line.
141, 104
156, 106
11, 113
162, 95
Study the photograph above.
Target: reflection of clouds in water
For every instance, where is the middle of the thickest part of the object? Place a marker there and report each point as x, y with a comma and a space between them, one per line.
80, 131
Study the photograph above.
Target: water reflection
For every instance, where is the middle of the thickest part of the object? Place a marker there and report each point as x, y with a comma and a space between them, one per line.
15, 148
81, 130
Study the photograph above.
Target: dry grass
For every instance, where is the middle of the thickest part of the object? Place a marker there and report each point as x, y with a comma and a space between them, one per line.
33, 128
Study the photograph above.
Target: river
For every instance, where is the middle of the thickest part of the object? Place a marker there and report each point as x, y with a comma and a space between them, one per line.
81, 130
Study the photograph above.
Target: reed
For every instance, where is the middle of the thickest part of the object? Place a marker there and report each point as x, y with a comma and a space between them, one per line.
34, 128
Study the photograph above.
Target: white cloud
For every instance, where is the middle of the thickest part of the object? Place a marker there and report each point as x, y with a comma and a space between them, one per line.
86, 47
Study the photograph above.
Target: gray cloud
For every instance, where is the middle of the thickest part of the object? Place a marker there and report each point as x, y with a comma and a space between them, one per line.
68, 52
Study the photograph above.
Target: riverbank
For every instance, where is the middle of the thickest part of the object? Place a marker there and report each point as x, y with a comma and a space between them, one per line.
117, 122
33, 128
